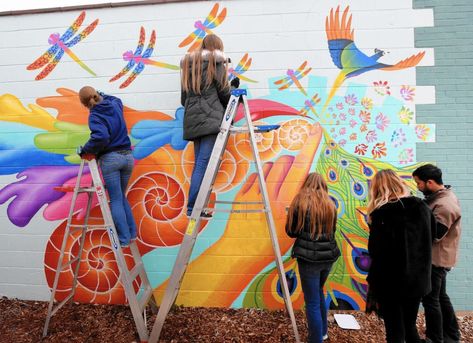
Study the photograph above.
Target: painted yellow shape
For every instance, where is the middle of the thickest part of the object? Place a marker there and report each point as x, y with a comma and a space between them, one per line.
12, 110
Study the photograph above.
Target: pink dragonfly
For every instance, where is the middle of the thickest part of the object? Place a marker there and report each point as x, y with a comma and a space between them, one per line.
241, 68
62, 44
293, 77
310, 105
211, 22
139, 60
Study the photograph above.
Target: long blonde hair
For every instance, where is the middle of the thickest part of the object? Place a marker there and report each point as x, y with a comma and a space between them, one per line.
313, 202
191, 66
386, 186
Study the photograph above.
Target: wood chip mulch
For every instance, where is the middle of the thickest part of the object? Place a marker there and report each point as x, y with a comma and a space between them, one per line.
22, 321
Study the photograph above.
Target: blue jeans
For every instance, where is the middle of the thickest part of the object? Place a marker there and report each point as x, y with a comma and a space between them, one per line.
313, 278
440, 319
116, 171
202, 150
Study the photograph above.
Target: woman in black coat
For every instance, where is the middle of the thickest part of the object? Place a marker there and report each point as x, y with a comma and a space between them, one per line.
312, 219
205, 92
400, 247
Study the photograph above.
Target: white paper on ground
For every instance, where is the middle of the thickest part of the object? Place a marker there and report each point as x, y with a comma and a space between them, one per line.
347, 321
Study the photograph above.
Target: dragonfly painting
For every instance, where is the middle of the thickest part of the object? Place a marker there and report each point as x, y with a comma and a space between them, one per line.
293, 77
140, 59
241, 68
63, 44
203, 28
310, 105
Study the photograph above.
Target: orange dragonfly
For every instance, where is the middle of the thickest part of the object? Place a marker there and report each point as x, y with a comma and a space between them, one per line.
203, 28
293, 77
62, 44
310, 105
241, 68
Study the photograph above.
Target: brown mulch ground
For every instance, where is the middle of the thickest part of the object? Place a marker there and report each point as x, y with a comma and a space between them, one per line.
22, 321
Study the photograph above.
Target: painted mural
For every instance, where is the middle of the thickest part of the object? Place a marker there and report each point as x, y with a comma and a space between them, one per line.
344, 126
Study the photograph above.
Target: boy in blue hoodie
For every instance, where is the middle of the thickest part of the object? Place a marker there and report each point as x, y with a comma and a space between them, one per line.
110, 143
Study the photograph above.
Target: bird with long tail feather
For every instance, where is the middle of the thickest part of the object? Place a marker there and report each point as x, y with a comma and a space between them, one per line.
351, 60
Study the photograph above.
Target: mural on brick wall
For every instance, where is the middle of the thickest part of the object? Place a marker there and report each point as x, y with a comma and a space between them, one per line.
344, 129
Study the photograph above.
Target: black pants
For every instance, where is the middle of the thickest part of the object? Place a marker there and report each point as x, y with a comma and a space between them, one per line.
440, 319
400, 319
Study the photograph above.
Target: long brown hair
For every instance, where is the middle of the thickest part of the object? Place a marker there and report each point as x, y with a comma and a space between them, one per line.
314, 204
191, 66
386, 186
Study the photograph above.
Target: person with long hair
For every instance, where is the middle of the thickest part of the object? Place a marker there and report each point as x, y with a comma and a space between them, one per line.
312, 220
400, 248
110, 144
205, 92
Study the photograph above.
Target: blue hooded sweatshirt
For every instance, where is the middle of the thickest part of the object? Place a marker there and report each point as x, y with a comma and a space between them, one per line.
108, 128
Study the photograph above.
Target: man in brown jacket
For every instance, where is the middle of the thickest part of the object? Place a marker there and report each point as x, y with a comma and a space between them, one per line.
441, 322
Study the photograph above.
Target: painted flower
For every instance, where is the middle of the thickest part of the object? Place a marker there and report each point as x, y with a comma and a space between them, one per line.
406, 156
367, 103
363, 128
342, 116
379, 150
365, 116
382, 121
342, 142
371, 136
334, 115
422, 131
351, 99
408, 93
398, 137
353, 137
382, 88
339, 106
351, 111
405, 115
332, 129
361, 149
353, 123
342, 131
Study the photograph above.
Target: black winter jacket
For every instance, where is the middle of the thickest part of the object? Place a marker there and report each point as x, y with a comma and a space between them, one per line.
321, 250
400, 247
203, 113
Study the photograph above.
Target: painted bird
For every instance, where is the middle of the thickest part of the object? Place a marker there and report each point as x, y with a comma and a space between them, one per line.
351, 60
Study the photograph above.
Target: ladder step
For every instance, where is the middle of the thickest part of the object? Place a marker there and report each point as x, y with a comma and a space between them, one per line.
237, 202
66, 189
75, 259
262, 210
257, 128
81, 226
62, 303
135, 271
144, 299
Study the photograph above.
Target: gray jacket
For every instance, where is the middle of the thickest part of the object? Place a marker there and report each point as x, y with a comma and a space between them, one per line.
204, 112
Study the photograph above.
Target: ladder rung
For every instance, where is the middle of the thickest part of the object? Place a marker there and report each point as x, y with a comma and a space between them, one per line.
144, 299
237, 202
82, 226
261, 210
66, 189
62, 303
75, 259
135, 271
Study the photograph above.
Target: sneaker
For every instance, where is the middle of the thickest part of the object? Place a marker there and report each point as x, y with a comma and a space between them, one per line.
325, 337
206, 215
124, 245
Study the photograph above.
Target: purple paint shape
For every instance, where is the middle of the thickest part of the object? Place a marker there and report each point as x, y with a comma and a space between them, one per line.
35, 189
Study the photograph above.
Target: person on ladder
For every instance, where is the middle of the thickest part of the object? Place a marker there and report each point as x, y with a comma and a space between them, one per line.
205, 92
110, 144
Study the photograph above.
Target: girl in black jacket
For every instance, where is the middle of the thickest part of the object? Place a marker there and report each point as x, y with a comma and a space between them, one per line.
400, 249
312, 219
205, 92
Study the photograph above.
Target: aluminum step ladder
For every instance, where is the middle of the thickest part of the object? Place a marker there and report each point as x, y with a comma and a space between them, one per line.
201, 203
137, 302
